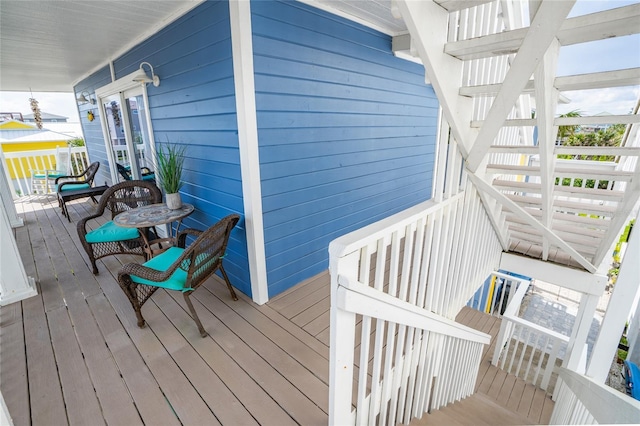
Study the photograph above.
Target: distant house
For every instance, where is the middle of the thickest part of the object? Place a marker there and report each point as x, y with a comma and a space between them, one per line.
592, 128
46, 118
17, 136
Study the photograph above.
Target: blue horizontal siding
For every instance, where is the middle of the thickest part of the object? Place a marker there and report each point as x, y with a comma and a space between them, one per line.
92, 130
194, 107
346, 133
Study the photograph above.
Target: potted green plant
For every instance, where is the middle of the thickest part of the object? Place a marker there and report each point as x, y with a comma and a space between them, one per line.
170, 161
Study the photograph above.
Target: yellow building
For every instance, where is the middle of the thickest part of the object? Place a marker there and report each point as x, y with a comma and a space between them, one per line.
17, 136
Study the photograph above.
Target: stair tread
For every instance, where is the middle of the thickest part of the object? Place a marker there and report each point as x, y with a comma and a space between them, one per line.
478, 409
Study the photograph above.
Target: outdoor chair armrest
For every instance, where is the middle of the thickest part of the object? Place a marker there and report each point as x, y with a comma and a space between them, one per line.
69, 177
82, 223
181, 239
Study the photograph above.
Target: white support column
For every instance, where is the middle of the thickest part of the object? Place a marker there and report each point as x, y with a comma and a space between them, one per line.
620, 305
342, 341
581, 327
7, 194
242, 47
15, 285
5, 416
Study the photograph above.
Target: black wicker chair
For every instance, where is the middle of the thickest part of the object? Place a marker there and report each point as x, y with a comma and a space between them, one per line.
125, 173
179, 268
109, 238
83, 180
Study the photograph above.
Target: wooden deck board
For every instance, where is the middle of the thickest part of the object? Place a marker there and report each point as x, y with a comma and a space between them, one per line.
74, 353
13, 363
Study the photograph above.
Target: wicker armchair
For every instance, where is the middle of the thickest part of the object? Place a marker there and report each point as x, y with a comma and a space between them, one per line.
83, 180
179, 268
109, 238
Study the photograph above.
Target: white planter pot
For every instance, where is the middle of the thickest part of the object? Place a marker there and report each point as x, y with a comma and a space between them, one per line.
174, 202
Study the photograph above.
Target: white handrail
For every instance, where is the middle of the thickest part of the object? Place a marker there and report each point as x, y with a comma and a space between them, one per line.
396, 286
515, 332
382, 306
581, 400
428, 361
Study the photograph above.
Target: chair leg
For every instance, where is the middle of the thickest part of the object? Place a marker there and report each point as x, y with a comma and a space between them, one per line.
226, 279
203, 333
128, 288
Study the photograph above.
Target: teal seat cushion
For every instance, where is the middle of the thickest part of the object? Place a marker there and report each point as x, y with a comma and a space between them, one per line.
50, 175
149, 177
71, 186
162, 262
111, 232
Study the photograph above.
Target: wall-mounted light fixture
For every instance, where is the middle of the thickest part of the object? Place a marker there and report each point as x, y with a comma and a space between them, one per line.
85, 98
142, 77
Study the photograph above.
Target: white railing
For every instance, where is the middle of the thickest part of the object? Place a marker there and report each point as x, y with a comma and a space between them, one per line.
121, 155
21, 164
525, 349
581, 400
427, 259
410, 360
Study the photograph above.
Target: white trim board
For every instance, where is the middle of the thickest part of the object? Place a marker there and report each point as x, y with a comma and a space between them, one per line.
243, 73
562, 276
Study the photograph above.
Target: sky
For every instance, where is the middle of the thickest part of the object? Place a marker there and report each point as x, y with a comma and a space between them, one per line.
619, 52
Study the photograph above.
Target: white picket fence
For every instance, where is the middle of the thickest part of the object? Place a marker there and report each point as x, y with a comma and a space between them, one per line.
396, 287
22, 164
583, 401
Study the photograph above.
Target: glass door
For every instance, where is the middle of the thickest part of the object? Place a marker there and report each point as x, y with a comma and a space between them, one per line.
128, 137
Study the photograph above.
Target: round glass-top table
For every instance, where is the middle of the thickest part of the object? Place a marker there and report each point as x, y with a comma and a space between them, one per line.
153, 215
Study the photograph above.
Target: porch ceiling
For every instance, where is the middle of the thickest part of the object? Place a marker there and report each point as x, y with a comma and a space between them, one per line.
47, 46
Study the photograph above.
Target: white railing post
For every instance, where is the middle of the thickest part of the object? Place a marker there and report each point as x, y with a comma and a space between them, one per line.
15, 285
342, 338
624, 294
7, 195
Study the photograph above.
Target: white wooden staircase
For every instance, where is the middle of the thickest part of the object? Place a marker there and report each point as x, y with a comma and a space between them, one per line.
499, 187
491, 69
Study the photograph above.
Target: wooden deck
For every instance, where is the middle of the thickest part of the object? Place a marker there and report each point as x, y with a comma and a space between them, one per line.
74, 354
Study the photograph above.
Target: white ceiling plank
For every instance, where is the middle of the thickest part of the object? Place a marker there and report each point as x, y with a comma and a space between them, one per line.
596, 26
531, 221
541, 33
427, 23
